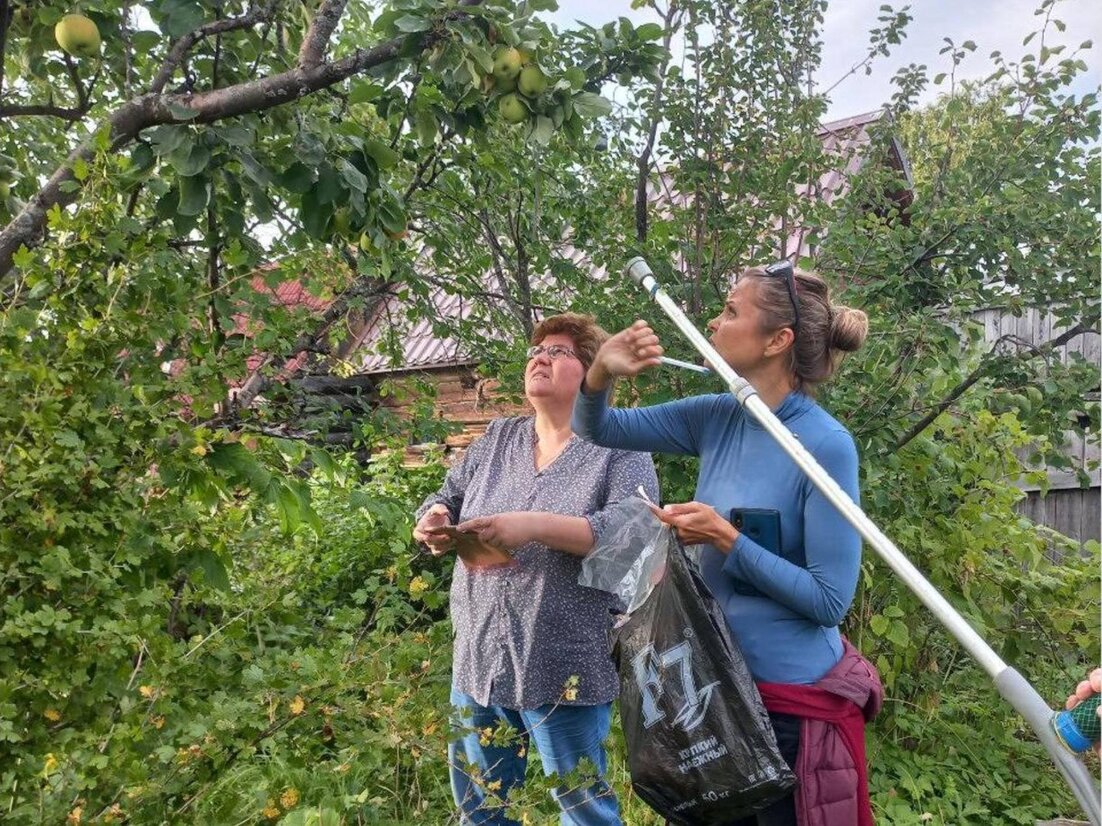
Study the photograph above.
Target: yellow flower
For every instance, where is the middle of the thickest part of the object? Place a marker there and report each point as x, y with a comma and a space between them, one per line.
113, 814
570, 688
52, 714
417, 586
199, 450
75, 816
147, 691
271, 811
298, 705
50, 766
493, 786
289, 798
484, 736
158, 721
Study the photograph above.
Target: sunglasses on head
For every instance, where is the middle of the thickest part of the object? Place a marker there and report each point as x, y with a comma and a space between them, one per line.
784, 269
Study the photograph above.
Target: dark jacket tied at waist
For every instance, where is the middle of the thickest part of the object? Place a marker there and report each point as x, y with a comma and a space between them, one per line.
831, 768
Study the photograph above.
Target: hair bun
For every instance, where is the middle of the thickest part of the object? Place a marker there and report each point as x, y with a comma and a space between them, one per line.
848, 328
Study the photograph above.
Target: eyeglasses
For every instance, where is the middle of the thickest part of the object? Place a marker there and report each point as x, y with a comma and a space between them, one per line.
784, 269
555, 351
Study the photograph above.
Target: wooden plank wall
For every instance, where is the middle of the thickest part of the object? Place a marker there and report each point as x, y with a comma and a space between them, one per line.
1068, 508
462, 397
1074, 512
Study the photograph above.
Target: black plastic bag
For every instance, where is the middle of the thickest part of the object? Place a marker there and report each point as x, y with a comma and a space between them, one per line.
700, 746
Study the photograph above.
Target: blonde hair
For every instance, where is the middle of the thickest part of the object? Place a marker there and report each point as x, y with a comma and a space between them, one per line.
826, 331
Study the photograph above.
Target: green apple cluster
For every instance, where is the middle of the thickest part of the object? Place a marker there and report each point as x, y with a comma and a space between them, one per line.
518, 81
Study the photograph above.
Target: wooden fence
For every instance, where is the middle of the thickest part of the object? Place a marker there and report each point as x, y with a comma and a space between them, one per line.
1068, 507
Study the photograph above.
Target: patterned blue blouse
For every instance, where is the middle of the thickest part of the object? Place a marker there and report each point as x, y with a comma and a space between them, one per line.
523, 630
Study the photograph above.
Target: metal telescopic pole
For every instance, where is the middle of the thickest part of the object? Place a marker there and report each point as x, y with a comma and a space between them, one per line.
1012, 685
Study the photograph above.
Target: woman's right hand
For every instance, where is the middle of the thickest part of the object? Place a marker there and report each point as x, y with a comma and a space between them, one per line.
435, 517
628, 353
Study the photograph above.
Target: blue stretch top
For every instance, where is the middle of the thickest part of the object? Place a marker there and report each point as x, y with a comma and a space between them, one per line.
783, 610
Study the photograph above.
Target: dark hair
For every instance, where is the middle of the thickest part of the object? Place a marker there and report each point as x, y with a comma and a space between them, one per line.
826, 330
582, 329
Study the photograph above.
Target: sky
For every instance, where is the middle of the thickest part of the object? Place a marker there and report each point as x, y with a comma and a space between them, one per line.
991, 24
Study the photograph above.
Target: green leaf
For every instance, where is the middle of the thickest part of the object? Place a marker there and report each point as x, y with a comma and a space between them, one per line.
254, 169
236, 134
328, 189
178, 17
575, 76
393, 216
315, 214
324, 462
543, 5
590, 105
144, 42
899, 633
355, 179
191, 159
542, 130
481, 56
167, 139
214, 569
650, 31
364, 91
297, 178
410, 23
384, 156
426, 126
194, 195
239, 466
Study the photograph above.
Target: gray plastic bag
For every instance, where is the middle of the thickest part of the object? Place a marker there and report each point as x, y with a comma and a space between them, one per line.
631, 557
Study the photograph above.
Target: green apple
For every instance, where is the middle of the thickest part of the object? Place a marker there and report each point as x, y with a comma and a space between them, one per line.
77, 35
507, 63
532, 81
513, 109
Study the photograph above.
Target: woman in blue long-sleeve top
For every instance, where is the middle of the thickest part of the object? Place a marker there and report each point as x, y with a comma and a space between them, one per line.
779, 330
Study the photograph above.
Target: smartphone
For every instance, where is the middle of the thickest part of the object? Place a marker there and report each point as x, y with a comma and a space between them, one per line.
762, 526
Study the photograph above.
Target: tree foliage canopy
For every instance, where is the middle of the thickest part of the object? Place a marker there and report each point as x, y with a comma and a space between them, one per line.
205, 613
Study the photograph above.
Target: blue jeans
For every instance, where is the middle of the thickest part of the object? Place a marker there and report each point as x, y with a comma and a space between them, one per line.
562, 734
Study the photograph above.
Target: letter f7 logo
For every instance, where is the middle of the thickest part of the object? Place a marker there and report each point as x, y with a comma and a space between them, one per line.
650, 670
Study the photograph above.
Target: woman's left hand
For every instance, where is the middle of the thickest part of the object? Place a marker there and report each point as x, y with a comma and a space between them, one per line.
507, 531
696, 522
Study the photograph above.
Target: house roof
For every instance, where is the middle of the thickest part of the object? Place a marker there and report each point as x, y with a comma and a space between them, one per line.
421, 348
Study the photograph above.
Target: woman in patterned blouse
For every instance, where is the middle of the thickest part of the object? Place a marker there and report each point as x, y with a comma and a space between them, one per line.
531, 644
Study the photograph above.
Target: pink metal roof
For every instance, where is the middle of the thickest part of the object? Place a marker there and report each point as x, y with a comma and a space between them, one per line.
420, 346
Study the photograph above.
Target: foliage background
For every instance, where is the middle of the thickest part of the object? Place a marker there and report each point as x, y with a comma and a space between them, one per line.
213, 611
